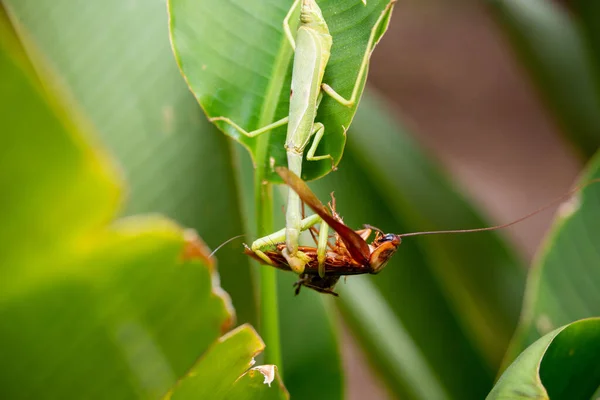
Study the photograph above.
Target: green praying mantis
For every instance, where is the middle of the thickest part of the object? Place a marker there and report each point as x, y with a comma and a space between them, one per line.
312, 49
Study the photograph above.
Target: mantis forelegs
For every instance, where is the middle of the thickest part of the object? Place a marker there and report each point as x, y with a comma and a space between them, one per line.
280, 236
322, 247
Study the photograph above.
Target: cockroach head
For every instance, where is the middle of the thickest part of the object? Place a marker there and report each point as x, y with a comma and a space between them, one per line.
385, 247
388, 238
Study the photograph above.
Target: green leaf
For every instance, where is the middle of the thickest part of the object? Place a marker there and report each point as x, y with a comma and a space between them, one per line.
237, 62
224, 371
386, 180
563, 364
549, 43
125, 80
90, 310
562, 284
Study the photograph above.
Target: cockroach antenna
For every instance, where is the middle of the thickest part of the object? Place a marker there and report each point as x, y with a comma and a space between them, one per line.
493, 228
224, 243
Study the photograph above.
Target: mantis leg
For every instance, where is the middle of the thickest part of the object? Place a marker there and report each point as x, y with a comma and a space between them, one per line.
322, 247
279, 237
253, 133
310, 154
383, 19
286, 24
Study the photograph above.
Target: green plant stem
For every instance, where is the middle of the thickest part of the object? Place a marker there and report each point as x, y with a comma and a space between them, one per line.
269, 310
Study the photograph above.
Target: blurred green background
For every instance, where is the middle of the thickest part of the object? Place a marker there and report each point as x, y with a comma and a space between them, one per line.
477, 112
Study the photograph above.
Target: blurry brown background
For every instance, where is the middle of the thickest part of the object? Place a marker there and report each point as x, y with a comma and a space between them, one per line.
449, 71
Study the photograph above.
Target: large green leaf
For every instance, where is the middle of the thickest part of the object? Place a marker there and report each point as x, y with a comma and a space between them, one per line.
563, 283
88, 310
563, 364
550, 44
116, 59
237, 62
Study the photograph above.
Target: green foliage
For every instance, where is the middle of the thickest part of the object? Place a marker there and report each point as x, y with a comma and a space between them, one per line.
94, 308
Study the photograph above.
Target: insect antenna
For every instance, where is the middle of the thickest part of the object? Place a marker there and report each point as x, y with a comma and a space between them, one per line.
224, 243
493, 228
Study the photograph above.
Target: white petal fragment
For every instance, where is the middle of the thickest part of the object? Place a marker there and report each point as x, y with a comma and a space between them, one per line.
268, 372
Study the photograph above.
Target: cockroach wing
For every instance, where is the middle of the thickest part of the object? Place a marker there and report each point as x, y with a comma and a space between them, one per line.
356, 245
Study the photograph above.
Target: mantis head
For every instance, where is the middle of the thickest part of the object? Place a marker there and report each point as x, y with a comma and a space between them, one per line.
310, 15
